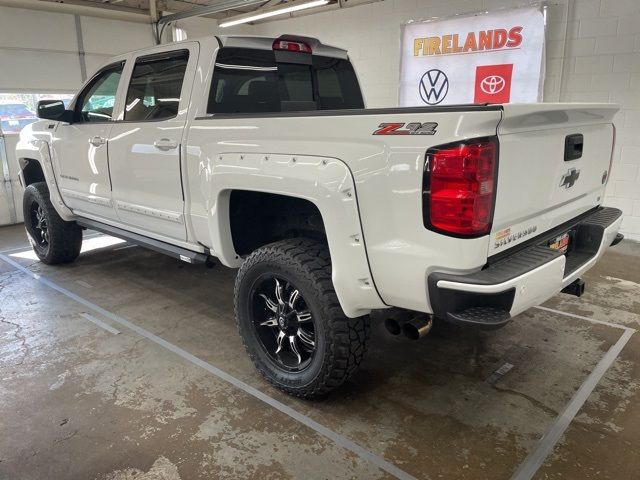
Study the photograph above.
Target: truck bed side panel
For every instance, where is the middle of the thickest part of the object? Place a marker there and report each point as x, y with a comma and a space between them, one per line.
387, 173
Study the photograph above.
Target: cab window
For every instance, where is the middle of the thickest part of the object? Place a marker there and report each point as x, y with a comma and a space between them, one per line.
155, 89
247, 80
96, 102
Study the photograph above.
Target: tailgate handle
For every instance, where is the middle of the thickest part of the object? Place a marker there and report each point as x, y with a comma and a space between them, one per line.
573, 146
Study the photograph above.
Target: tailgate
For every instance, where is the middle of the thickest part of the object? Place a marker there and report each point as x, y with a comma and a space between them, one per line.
553, 165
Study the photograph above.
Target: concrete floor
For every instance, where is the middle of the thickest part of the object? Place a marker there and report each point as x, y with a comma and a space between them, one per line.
80, 402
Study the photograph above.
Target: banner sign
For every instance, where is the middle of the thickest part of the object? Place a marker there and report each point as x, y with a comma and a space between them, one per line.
488, 58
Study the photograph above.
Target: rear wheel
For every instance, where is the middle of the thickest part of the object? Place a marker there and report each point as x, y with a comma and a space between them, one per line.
291, 322
53, 240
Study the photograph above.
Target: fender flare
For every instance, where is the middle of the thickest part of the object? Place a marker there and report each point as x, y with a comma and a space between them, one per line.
328, 184
37, 150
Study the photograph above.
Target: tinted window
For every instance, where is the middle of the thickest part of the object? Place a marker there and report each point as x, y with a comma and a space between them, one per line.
155, 87
97, 100
295, 82
337, 84
244, 80
251, 81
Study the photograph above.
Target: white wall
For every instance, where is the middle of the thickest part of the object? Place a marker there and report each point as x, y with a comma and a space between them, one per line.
600, 61
39, 50
39, 54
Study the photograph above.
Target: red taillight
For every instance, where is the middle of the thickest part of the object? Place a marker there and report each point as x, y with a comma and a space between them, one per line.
459, 187
291, 46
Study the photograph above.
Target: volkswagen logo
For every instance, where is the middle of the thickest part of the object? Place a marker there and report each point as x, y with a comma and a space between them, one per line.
492, 84
434, 86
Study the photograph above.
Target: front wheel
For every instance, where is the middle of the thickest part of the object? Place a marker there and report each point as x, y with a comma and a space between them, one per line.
53, 240
291, 322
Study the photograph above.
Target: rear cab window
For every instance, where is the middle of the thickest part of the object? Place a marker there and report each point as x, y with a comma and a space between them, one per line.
247, 80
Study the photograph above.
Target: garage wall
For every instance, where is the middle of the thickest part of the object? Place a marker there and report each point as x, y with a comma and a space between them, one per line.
39, 54
593, 54
39, 50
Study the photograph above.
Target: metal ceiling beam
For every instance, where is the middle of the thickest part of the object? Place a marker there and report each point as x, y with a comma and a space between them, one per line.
221, 6
101, 5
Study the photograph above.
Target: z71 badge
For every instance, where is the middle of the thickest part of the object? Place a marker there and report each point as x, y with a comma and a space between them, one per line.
413, 128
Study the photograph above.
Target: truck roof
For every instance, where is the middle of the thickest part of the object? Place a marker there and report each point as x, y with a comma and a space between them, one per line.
266, 43
257, 42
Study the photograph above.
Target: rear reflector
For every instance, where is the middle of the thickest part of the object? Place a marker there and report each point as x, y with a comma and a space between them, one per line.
291, 46
459, 187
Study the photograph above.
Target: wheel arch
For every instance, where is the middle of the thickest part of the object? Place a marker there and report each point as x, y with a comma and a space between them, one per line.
319, 184
35, 165
31, 171
260, 218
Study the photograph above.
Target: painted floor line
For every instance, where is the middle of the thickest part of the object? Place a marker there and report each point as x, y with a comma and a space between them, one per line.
581, 317
337, 438
28, 246
100, 323
536, 458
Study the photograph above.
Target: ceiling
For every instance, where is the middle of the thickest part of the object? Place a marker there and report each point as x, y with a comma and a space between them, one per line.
173, 6
139, 10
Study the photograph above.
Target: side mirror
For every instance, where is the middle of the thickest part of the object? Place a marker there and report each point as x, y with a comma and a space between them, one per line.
54, 110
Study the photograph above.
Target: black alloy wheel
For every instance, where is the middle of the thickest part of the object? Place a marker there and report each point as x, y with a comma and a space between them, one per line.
283, 322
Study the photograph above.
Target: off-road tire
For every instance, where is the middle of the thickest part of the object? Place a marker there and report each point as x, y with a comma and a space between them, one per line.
340, 341
65, 238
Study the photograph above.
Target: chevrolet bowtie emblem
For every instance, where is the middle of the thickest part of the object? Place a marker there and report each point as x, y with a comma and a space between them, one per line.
570, 178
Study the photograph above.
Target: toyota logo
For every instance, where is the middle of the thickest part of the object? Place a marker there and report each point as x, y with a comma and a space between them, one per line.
434, 86
492, 84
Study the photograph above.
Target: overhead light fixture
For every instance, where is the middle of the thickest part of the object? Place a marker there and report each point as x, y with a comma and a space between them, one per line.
259, 15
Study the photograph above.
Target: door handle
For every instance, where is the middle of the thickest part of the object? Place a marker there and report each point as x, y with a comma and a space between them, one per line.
165, 144
97, 141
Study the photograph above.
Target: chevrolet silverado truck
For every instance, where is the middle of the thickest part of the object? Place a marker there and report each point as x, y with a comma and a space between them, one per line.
259, 152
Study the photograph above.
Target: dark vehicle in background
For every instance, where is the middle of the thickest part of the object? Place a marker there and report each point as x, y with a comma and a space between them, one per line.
14, 117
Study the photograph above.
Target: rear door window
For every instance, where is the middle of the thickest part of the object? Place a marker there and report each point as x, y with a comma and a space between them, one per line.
249, 80
155, 88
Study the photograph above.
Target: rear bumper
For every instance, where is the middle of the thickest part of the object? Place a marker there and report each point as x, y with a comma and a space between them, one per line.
514, 282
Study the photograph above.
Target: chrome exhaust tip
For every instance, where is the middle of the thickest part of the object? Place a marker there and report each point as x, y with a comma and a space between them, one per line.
417, 327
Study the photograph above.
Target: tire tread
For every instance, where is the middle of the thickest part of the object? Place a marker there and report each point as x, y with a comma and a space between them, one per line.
348, 336
65, 237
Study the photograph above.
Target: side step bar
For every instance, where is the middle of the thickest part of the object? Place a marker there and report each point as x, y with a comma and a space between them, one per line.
146, 242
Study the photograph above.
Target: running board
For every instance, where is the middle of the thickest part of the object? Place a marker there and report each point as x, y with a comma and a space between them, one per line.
146, 242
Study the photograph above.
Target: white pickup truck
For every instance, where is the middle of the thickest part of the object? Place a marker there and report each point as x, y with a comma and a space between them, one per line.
259, 152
